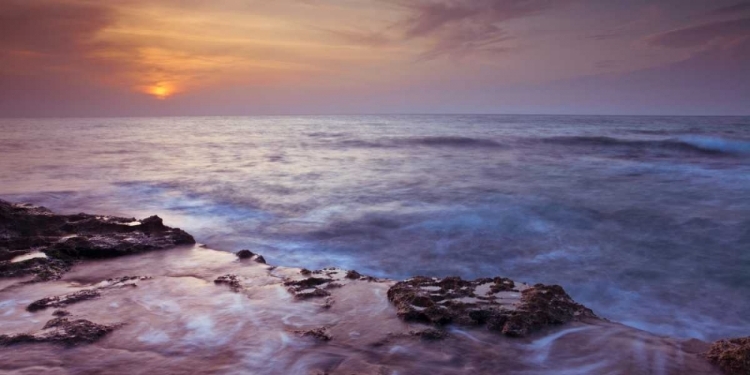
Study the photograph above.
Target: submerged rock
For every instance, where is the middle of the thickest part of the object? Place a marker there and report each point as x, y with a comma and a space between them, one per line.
231, 280
731, 355
64, 300
499, 304
320, 334
66, 239
61, 331
430, 334
86, 294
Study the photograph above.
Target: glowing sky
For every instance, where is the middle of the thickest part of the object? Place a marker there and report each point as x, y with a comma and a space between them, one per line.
233, 57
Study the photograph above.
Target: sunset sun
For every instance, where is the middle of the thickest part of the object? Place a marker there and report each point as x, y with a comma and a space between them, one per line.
160, 91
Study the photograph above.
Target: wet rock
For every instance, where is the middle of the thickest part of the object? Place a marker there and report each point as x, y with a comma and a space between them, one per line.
61, 313
731, 355
308, 288
61, 331
86, 294
320, 334
305, 271
44, 269
231, 280
64, 300
352, 274
66, 239
430, 334
260, 259
245, 254
498, 303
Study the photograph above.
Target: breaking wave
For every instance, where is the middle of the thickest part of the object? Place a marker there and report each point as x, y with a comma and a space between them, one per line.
699, 144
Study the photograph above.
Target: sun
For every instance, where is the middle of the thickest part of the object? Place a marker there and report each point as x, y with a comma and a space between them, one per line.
161, 91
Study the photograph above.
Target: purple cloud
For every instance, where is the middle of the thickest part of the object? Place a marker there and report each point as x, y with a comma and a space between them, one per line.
701, 35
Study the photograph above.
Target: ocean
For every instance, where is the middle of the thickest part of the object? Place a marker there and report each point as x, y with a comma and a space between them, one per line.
646, 220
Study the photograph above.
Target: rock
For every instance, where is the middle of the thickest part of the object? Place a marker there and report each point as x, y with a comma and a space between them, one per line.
245, 254
499, 304
731, 355
67, 239
233, 281
430, 334
320, 334
308, 288
60, 313
64, 300
260, 259
305, 271
61, 331
352, 274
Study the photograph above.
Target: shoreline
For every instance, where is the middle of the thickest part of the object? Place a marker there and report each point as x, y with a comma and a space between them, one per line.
378, 325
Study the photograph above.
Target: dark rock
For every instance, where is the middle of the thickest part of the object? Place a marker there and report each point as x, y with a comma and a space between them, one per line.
305, 271
308, 288
66, 239
64, 300
233, 281
61, 331
430, 334
352, 274
499, 304
245, 254
731, 355
260, 259
320, 334
60, 313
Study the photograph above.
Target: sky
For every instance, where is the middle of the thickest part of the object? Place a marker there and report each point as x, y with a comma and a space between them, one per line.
90, 58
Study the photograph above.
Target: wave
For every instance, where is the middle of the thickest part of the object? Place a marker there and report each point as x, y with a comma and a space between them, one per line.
717, 144
700, 144
447, 141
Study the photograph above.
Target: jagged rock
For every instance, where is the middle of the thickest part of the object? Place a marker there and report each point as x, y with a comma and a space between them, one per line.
260, 259
499, 304
61, 331
731, 355
245, 254
66, 239
308, 288
320, 334
64, 300
233, 281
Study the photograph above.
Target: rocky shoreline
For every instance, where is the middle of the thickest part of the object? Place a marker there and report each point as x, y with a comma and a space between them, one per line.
356, 316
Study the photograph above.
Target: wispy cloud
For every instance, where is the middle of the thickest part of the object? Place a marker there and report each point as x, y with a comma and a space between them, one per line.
459, 27
726, 32
736, 9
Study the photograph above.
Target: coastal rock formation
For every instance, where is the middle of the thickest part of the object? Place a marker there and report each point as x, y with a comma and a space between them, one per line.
731, 355
61, 331
499, 304
335, 322
34, 241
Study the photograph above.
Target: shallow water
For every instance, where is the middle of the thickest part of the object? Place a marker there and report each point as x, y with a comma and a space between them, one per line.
644, 219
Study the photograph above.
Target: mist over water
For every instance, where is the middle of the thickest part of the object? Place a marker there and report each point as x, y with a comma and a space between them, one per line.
644, 219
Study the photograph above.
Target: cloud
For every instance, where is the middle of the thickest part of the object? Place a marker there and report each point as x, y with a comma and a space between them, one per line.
727, 32
50, 27
457, 27
359, 37
739, 8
